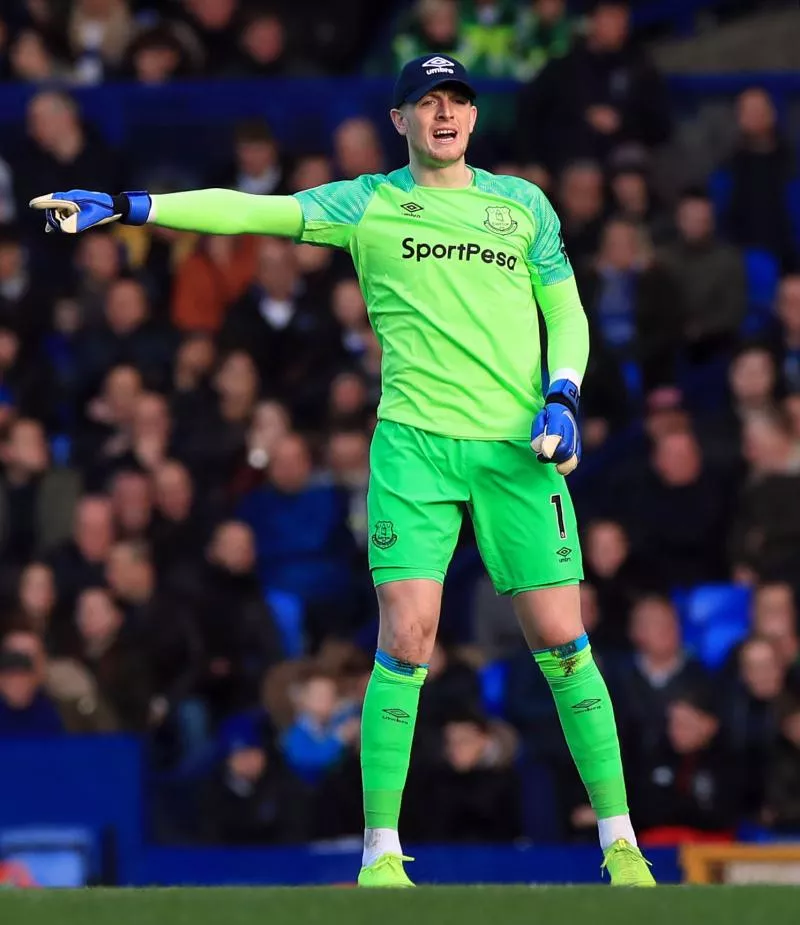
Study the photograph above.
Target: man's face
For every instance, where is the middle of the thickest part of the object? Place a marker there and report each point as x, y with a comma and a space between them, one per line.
94, 530
581, 192
620, 246
465, 744
173, 490
755, 113
99, 256
357, 148
654, 629
761, 669
789, 304
19, 685
233, 548
151, 416
609, 27
689, 728
438, 126
752, 376
290, 468
126, 306
11, 260
606, 547
695, 220
256, 157
97, 617
132, 502
677, 459
26, 447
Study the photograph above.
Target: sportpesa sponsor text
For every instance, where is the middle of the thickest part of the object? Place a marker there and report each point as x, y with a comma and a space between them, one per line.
422, 250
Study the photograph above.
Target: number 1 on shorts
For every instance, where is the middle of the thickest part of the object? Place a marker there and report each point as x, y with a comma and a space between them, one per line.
555, 500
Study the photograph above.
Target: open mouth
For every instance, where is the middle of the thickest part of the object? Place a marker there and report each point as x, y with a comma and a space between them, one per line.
445, 136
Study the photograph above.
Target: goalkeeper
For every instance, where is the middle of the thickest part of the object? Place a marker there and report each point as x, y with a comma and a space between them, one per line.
452, 262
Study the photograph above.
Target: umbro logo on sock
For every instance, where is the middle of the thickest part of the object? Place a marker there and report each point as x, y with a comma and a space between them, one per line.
586, 706
396, 715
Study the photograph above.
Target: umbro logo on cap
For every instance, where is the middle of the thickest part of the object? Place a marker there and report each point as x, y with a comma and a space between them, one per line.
439, 65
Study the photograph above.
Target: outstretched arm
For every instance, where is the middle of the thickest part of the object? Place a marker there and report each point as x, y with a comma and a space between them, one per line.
208, 211
222, 211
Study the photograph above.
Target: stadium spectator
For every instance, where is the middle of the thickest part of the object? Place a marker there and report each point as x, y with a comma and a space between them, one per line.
634, 198
602, 94
788, 311
765, 537
710, 279
690, 782
23, 299
78, 562
115, 660
270, 424
581, 208
323, 728
214, 25
252, 797
25, 708
264, 49
474, 794
357, 149
240, 637
180, 526
257, 163
634, 306
616, 574
760, 169
98, 33
99, 262
289, 339
33, 59
781, 806
544, 31
349, 309
658, 673
156, 56
432, 28
750, 719
60, 154
36, 600
679, 486
209, 280
347, 455
131, 503
303, 542
163, 626
774, 618
36, 502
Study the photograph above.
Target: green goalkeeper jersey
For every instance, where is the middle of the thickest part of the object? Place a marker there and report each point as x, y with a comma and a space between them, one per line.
451, 279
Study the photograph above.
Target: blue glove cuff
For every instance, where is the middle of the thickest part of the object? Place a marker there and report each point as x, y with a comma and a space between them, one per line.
138, 207
564, 392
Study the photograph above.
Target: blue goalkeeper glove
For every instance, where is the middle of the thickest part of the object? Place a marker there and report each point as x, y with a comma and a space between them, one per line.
555, 437
79, 209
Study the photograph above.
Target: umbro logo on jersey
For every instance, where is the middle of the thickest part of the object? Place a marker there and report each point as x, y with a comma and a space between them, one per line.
438, 65
411, 208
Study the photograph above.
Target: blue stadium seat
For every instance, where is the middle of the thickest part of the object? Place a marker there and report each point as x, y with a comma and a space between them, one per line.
493, 678
720, 187
56, 856
763, 274
793, 200
288, 611
714, 618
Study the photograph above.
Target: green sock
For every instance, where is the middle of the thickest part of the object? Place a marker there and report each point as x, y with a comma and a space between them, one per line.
387, 731
587, 718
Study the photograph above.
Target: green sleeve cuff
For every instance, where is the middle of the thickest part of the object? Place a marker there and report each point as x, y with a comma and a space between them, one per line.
221, 211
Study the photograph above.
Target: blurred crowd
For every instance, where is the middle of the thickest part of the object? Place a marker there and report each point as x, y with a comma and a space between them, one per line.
185, 426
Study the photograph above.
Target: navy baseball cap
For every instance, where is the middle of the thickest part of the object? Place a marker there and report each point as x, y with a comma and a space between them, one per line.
421, 75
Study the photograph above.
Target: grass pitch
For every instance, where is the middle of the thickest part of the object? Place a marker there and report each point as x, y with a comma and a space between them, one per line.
759, 905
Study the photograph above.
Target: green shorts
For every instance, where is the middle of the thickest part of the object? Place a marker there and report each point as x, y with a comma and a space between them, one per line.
420, 486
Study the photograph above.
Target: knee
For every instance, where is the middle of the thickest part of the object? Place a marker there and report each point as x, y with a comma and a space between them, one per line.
408, 625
